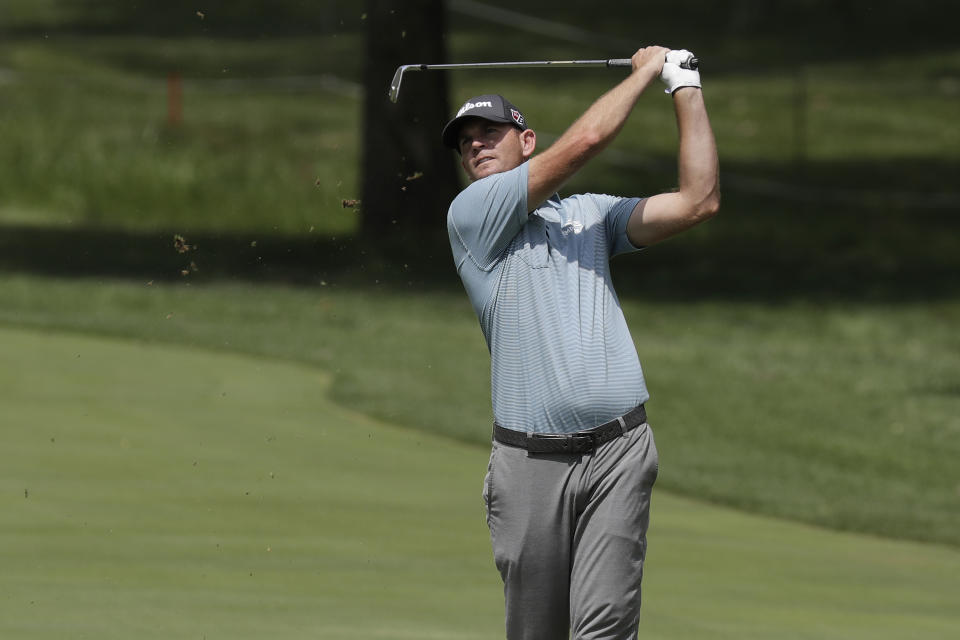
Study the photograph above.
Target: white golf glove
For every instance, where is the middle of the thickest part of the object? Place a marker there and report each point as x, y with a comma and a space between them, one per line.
675, 76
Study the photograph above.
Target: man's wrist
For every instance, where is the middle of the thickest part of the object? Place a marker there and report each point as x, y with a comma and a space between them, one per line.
685, 90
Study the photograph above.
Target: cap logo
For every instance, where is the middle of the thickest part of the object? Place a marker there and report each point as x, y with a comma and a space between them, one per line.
517, 117
473, 105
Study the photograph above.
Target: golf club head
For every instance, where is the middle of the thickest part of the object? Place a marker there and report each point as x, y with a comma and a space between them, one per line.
397, 79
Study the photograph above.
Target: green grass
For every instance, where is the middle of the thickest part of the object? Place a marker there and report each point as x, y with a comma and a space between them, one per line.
843, 416
87, 142
157, 491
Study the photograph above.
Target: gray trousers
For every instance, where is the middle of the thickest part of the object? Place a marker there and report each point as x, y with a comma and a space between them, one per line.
569, 534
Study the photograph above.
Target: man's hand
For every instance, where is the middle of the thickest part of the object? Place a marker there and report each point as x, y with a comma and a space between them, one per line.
649, 60
675, 76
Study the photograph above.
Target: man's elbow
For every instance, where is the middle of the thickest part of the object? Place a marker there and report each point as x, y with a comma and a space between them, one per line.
710, 205
584, 141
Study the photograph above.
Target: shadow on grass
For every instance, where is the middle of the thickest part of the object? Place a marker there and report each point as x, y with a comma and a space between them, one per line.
254, 257
767, 263
847, 239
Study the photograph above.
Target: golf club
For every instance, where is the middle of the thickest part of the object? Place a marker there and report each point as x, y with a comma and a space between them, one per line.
693, 63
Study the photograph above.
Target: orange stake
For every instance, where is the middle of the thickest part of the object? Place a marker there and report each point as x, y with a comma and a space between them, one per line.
174, 99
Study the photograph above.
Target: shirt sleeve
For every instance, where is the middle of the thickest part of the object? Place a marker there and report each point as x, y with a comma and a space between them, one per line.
617, 217
485, 217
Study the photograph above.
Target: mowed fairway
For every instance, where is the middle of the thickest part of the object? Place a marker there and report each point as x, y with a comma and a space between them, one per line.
160, 492
166, 493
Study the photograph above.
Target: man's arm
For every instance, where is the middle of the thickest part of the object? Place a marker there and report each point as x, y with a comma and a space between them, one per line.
593, 130
698, 196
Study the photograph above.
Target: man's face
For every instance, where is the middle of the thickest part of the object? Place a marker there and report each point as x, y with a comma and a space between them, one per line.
492, 147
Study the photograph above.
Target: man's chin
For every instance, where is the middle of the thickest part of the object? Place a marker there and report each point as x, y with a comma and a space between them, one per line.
486, 169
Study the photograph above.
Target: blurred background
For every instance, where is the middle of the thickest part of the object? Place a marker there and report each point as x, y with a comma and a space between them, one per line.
230, 178
834, 121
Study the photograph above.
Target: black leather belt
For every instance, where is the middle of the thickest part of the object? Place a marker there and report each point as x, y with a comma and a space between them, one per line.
578, 442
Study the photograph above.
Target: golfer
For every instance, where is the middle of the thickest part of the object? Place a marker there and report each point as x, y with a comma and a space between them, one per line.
573, 459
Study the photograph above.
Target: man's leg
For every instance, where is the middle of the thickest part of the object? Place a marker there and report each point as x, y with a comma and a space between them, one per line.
530, 512
610, 542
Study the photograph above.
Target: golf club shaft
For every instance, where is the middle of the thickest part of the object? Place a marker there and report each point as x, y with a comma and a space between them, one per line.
618, 62
613, 62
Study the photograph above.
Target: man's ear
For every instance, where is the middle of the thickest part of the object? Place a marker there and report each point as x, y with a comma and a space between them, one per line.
528, 142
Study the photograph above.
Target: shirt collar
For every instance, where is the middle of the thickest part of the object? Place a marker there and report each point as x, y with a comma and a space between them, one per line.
550, 210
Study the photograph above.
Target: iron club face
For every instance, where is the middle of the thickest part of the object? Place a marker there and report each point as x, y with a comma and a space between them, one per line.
397, 79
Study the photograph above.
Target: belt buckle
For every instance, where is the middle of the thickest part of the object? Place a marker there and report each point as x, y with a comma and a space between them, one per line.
569, 441
597, 436
594, 439
588, 438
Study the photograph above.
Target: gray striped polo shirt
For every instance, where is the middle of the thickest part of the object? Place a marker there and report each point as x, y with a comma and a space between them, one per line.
562, 358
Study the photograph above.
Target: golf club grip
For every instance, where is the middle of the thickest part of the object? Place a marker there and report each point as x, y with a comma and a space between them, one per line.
693, 63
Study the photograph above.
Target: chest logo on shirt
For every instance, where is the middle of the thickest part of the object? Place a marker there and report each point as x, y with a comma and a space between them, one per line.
574, 226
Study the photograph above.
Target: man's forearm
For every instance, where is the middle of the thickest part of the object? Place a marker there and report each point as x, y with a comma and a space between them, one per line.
698, 196
698, 167
601, 123
594, 130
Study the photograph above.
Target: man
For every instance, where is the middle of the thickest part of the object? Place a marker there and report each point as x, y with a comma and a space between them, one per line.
573, 460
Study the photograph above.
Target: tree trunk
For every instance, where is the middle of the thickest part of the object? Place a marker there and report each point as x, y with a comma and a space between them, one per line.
408, 177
